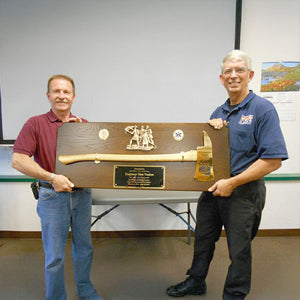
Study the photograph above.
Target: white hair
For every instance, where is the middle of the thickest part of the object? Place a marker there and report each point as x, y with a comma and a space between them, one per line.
237, 55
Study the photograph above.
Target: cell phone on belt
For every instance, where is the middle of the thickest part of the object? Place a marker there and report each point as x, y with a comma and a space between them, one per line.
35, 189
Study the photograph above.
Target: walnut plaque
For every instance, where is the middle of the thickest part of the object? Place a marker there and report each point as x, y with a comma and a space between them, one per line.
165, 156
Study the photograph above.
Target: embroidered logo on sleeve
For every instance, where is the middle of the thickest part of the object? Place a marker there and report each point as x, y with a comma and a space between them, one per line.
246, 120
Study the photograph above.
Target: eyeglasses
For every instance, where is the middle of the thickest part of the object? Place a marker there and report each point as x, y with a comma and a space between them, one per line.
239, 70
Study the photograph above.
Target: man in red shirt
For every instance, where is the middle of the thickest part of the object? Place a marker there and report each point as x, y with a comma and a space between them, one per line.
60, 205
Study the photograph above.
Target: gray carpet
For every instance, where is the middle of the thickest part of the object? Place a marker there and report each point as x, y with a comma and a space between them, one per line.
142, 268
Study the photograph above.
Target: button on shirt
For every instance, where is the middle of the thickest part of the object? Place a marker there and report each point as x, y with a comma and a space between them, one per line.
254, 131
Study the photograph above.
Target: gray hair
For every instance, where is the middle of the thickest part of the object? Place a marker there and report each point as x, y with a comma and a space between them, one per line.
237, 55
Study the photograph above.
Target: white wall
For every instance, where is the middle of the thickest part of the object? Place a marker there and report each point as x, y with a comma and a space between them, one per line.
270, 31
18, 211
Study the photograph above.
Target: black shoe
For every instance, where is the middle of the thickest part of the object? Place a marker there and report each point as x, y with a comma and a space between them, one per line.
190, 286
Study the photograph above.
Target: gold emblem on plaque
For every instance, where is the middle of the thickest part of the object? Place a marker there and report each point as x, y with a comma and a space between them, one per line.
103, 134
178, 135
142, 138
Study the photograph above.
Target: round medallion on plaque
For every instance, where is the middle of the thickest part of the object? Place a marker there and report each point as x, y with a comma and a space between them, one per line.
178, 135
103, 134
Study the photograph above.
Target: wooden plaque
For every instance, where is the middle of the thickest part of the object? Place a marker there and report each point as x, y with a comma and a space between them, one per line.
92, 143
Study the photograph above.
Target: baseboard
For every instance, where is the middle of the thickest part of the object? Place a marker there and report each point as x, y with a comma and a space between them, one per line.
279, 232
140, 233
145, 233
20, 234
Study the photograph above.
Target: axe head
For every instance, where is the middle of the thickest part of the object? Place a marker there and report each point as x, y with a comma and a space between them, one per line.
204, 166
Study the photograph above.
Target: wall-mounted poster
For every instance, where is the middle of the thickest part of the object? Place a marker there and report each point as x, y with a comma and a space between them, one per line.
280, 84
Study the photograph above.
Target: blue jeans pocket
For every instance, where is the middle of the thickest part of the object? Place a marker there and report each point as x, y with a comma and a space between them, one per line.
46, 194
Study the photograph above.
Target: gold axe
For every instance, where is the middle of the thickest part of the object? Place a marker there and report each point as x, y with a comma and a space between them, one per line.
203, 156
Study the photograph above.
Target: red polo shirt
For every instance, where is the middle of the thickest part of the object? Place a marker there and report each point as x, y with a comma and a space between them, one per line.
37, 138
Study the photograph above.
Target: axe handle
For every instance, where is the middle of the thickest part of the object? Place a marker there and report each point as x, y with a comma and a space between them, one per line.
183, 156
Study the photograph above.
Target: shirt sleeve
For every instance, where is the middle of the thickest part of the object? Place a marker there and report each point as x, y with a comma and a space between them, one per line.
269, 136
26, 142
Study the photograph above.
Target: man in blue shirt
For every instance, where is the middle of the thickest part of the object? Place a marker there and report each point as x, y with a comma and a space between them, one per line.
257, 148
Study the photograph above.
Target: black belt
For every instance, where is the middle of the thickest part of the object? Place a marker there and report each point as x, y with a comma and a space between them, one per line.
45, 185
48, 185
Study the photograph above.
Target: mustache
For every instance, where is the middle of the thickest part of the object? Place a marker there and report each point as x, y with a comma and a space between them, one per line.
57, 100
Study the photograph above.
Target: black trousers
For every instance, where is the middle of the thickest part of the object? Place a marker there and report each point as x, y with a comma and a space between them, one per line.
240, 214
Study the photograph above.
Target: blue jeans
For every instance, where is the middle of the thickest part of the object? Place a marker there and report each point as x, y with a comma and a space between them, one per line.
58, 212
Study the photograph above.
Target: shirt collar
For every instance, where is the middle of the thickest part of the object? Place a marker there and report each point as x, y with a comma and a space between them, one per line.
249, 97
53, 118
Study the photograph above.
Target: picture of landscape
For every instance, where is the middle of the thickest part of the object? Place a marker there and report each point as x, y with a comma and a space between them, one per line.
280, 76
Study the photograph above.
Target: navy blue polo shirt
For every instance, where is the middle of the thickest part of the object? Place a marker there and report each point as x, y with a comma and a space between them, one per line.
254, 131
